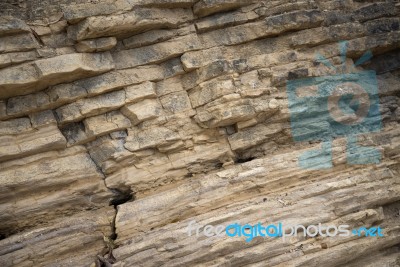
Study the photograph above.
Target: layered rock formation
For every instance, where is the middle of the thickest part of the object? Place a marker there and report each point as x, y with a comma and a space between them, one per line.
123, 121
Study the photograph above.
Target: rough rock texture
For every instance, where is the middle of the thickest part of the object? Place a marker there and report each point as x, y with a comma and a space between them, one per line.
122, 121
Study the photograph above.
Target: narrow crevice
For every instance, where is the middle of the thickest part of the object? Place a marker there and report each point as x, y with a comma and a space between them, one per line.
120, 196
231, 129
2, 236
72, 131
114, 235
244, 159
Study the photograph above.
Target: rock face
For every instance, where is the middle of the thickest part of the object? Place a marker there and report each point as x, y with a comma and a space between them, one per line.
122, 122
42, 73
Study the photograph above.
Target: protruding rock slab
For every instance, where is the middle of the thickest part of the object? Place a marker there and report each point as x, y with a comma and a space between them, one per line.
77, 12
96, 45
136, 21
163, 3
22, 137
10, 25
144, 110
35, 76
156, 53
207, 7
106, 123
15, 58
17, 43
91, 106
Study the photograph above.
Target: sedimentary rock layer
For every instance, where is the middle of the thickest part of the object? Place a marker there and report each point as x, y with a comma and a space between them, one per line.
123, 121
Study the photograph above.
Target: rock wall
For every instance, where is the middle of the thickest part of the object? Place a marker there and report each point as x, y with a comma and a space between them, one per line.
122, 121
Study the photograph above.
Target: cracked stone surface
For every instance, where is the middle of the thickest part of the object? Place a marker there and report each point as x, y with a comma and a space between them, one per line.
123, 121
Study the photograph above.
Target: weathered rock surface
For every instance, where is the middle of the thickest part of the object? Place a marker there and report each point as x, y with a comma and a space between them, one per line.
136, 21
156, 53
10, 25
96, 45
26, 136
123, 121
44, 247
65, 182
42, 73
15, 58
19, 42
78, 12
207, 7
277, 193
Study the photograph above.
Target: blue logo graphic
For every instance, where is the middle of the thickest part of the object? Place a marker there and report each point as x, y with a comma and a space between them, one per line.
323, 108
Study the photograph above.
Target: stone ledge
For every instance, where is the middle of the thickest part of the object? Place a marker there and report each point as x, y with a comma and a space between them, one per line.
38, 75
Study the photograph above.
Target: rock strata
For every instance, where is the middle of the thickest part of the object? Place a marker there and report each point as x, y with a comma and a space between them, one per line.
123, 121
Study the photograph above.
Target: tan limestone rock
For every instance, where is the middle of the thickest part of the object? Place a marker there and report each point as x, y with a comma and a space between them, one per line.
45, 72
96, 45
144, 110
136, 21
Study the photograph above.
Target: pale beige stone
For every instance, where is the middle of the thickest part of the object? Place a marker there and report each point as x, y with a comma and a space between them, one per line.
62, 94
58, 26
33, 102
26, 140
43, 246
176, 102
20, 42
163, 3
300, 201
211, 90
156, 52
144, 110
15, 58
45, 72
96, 45
170, 85
135, 93
148, 38
207, 7
225, 114
136, 21
10, 25
91, 106
58, 170
106, 123
187, 118
41, 30
220, 20
143, 139
77, 12
253, 136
